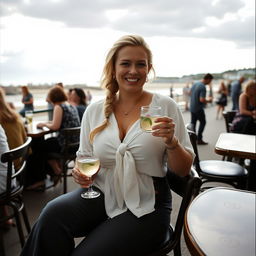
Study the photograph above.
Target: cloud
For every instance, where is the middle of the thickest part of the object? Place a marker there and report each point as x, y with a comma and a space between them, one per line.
183, 18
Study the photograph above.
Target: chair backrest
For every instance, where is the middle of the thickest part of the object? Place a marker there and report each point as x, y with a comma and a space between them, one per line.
229, 116
193, 140
187, 187
9, 157
72, 140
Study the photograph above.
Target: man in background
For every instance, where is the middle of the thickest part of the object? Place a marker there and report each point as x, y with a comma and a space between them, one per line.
197, 103
236, 89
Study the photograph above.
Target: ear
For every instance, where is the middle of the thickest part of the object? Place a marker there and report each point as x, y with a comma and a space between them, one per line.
149, 67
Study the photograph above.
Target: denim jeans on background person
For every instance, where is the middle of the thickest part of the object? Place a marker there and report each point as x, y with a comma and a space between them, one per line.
200, 116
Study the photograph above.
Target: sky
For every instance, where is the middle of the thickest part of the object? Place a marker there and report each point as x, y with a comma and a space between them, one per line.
49, 41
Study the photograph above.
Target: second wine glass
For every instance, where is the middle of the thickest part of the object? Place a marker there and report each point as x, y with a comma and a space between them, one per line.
88, 166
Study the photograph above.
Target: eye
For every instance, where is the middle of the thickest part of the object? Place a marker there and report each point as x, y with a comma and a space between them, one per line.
125, 63
142, 64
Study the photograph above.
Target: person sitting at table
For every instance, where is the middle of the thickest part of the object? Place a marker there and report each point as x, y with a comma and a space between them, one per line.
27, 100
12, 125
64, 116
245, 119
78, 99
132, 214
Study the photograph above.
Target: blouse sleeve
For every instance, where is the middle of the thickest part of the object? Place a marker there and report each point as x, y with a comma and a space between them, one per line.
85, 147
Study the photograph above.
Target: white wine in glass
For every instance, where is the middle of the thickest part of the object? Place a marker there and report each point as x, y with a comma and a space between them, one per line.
88, 166
29, 116
148, 116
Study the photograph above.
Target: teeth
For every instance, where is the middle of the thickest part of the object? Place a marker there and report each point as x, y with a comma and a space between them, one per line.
131, 80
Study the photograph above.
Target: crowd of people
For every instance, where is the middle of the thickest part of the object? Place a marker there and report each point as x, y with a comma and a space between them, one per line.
134, 194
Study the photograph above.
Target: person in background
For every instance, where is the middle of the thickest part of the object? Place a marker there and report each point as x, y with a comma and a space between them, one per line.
198, 101
88, 97
132, 214
27, 100
50, 106
78, 99
186, 95
12, 124
64, 116
236, 89
222, 99
245, 119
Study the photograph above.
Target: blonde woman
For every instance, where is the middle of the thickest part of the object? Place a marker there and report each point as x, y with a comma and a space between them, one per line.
245, 119
132, 215
222, 99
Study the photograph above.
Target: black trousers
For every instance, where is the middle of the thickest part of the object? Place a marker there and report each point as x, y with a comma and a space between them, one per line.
70, 216
199, 116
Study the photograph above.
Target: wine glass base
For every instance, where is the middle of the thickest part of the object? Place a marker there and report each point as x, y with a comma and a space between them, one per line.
90, 195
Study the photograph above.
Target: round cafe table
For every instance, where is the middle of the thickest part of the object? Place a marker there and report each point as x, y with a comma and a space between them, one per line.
221, 221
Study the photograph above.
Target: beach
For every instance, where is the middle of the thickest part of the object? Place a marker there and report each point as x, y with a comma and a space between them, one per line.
97, 94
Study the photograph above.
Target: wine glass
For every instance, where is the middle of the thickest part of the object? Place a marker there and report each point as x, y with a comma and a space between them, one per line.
88, 165
29, 116
148, 115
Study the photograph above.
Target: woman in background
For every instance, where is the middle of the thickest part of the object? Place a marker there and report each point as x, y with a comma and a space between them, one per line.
78, 99
222, 99
64, 116
12, 124
27, 100
245, 119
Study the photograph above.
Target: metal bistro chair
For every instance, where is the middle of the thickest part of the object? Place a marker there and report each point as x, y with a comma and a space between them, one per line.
229, 116
217, 170
12, 197
187, 187
68, 153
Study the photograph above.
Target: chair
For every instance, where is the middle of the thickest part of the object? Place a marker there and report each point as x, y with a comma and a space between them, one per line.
12, 197
229, 116
187, 187
68, 153
217, 170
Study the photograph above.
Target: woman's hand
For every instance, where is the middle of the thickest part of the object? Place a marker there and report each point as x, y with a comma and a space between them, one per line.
164, 128
81, 179
40, 125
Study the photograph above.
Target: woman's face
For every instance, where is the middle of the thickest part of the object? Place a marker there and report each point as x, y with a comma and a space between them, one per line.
74, 97
131, 68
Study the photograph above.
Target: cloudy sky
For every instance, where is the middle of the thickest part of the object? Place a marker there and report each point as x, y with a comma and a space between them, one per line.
47, 41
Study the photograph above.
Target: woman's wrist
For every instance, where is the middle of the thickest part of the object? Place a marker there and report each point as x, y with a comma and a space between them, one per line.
173, 145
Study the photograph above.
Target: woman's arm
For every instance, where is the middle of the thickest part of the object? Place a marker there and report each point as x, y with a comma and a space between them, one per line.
55, 124
243, 102
179, 159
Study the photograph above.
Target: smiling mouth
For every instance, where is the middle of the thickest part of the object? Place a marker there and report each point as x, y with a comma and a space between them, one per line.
132, 79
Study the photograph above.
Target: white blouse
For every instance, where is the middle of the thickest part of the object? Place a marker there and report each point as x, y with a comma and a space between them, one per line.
127, 166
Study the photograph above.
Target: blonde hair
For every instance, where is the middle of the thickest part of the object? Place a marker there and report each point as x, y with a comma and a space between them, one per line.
109, 83
249, 85
6, 112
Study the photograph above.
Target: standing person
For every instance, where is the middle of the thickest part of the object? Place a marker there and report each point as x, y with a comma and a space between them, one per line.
222, 99
236, 89
186, 95
27, 100
88, 97
132, 214
197, 103
78, 99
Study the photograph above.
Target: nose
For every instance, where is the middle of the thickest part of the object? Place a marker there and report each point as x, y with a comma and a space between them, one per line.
133, 69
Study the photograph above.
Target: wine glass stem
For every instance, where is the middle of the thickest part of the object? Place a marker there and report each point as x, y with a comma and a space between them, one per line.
89, 190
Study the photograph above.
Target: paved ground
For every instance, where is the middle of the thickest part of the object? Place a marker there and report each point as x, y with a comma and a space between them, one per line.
36, 200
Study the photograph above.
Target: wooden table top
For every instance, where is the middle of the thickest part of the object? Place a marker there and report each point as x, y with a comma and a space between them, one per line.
236, 145
34, 132
221, 221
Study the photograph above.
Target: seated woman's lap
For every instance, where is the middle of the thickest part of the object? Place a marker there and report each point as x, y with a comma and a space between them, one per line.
126, 234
